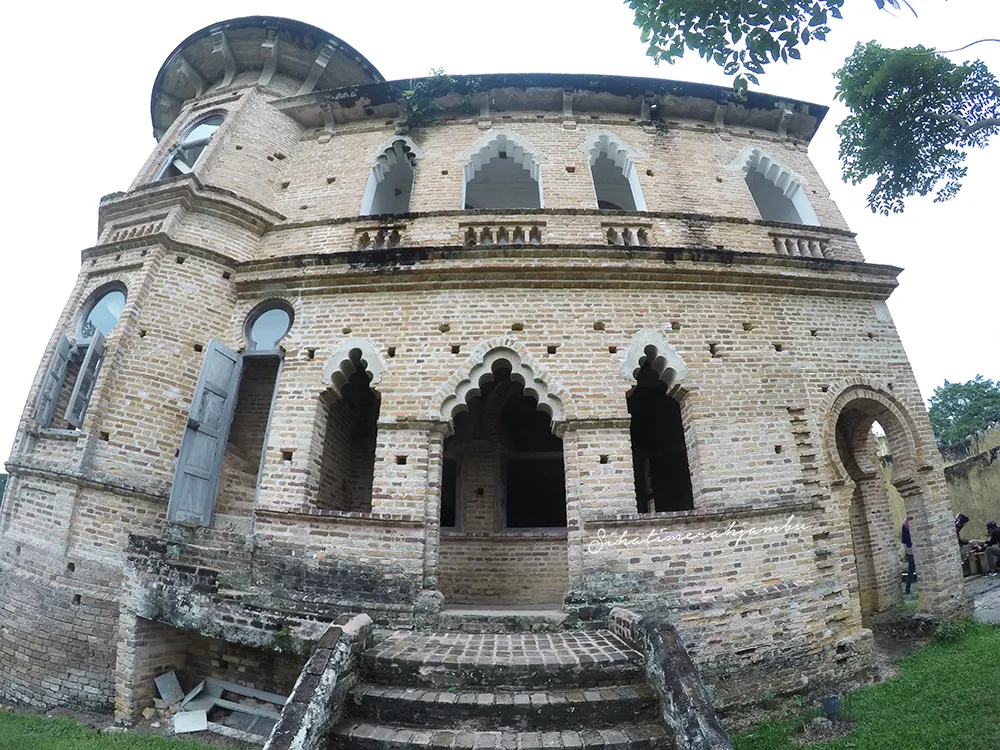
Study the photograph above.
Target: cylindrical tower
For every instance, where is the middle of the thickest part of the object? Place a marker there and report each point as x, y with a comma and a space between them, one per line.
550, 341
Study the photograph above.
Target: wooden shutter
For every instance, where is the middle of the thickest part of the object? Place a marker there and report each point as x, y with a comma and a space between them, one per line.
196, 479
52, 383
85, 381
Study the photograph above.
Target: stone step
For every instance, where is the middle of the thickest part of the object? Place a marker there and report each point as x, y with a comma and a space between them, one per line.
525, 710
473, 619
569, 659
364, 736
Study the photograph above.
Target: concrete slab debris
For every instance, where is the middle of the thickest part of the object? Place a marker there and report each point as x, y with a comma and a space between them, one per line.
169, 688
190, 721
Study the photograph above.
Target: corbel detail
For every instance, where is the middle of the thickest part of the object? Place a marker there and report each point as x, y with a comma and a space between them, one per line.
183, 68
220, 46
318, 67
269, 51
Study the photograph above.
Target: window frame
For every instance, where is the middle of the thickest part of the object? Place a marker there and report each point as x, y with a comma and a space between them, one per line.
82, 340
275, 303
180, 144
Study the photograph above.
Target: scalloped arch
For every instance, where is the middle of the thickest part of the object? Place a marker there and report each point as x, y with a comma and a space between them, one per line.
650, 345
464, 385
754, 159
351, 355
603, 142
490, 146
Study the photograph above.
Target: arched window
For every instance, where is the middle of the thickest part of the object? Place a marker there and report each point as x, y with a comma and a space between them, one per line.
349, 416
79, 362
502, 174
390, 182
659, 450
185, 155
102, 314
777, 193
267, 324
615, 182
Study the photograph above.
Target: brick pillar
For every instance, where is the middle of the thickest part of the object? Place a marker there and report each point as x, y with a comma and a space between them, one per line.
431, 594
146, 649
883, 542
402, 466
935, 551
597, 455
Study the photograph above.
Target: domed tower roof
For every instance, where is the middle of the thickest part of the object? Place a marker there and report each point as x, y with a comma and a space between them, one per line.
212, 57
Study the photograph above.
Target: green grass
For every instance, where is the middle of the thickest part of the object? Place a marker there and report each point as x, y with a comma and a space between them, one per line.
26, 732
946, 697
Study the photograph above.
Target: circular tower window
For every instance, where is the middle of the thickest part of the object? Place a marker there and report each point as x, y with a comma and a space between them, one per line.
103, 313
268, 324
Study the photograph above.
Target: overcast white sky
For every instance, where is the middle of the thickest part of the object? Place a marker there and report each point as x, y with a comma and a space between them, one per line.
76, 127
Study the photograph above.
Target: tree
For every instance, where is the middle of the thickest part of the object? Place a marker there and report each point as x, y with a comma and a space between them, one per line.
913, 113
959, 409
3, 485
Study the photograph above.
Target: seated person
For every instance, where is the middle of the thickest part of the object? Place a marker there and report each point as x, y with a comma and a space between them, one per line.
992, 548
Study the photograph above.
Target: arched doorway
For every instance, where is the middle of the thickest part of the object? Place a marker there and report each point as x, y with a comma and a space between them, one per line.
503, 495
862, 485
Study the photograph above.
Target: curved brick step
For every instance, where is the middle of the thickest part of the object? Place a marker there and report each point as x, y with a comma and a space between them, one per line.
363, 736
572, 659
446, 709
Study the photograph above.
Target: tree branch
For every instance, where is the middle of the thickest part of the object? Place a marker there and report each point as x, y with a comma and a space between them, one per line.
969, 127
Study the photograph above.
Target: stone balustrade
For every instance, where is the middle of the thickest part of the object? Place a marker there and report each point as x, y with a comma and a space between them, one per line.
504, 234
627, 235
380, 237
798, 246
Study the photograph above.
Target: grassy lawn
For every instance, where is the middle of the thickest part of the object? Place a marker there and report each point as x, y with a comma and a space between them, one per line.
945, 698
25, 732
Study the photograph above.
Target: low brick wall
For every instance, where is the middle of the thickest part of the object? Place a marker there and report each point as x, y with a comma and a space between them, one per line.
685, 705
317, 701
503, 568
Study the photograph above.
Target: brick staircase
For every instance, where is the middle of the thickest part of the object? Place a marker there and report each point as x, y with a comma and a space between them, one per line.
571, 689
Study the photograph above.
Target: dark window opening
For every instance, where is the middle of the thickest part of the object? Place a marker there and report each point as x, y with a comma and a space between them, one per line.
347, 467
449, 493
536, 492
511, 462
659, 452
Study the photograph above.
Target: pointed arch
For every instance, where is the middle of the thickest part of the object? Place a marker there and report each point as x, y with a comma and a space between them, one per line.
390, 182
616, 182
776, 190
648, 345
501, 171
479, 369
351, 356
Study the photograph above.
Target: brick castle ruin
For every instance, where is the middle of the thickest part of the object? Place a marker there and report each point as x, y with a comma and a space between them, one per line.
503, 354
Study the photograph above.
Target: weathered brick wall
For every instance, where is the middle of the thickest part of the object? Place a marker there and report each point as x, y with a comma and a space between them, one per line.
770, 343
516, 568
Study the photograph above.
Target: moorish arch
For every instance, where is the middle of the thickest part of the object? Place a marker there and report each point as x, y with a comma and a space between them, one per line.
390, 182
616, 182
346, 428
776, 190
501, 171
860, 491
467, 382
660, 460
350, 356
503, 503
